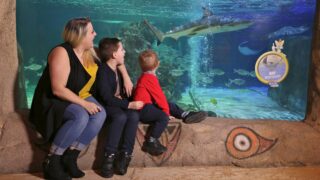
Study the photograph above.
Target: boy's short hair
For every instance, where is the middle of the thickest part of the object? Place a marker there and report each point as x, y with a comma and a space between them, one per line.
107, 46
148, 60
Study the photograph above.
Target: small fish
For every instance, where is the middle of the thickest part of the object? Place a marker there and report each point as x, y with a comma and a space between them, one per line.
108, 21
241, 72
238, 82
176, 72
33, 67
215, 72
253, 74
206, 80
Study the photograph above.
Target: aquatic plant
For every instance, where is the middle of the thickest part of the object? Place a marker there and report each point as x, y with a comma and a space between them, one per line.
135, 38
214, 101
173, 71
195, 101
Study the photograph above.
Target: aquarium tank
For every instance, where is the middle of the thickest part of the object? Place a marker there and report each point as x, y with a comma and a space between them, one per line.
209, 49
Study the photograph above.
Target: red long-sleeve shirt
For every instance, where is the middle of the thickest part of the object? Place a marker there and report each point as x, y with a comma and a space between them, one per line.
149, 91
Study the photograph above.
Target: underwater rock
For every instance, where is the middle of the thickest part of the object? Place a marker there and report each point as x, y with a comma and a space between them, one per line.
212, 114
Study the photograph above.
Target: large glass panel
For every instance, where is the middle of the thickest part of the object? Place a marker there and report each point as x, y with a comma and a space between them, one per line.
208, 48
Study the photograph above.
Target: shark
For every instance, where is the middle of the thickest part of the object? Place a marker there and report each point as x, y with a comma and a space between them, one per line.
208, 24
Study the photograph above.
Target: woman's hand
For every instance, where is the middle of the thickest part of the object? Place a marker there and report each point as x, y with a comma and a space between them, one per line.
136, 105
91, 107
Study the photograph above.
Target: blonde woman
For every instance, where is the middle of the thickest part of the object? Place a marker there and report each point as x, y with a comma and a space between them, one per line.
63, 110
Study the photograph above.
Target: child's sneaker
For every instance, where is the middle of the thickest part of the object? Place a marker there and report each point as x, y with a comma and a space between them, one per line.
195, 117
153, 147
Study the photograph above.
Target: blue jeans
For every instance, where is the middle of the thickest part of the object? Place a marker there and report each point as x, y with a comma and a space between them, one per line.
122, 129
79, 128
151, 114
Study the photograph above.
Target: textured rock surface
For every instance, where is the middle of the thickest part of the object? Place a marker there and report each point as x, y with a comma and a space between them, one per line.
313, 116
8, 55
200, 144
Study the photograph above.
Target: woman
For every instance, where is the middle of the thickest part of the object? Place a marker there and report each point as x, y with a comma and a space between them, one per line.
63, 108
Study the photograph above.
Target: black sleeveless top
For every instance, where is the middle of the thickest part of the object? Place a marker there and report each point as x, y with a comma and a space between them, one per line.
46, 113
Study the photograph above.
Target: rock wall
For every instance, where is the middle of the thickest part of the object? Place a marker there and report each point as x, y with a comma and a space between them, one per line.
202, 144
313, 111
8, 59
8, 56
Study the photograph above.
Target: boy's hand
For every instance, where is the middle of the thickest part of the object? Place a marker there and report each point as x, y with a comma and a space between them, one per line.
136, 105
171, 118
128, 86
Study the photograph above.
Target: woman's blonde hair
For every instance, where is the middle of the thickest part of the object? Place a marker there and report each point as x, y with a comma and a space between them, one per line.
74, 32
148, 60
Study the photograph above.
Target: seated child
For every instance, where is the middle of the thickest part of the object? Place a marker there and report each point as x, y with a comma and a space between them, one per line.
122, 117
156, 109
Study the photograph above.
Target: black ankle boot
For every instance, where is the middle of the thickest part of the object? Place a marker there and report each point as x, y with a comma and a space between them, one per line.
53, 169
153, 147
107, 166
122, 162
69, 160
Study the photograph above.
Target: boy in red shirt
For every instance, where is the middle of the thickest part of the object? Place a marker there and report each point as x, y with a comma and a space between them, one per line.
156, 108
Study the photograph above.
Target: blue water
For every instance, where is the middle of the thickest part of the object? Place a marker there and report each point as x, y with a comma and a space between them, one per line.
217, 69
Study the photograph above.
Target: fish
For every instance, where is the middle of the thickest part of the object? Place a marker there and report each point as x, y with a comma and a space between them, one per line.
253, 74
288, 31
176, 72
108, 21
208, 24
238, 82
206, 80
215, 72
241, 72
246, 50
33, 67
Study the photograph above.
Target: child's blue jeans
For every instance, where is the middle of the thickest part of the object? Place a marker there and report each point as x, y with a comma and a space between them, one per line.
151, 114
